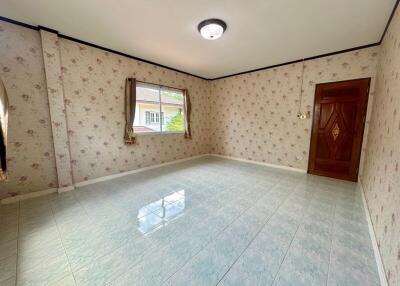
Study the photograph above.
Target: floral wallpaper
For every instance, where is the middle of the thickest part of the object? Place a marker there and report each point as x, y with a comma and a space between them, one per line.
93, 85
94, 99
30, 154
52, 64
381, 179
251, 116
254, 115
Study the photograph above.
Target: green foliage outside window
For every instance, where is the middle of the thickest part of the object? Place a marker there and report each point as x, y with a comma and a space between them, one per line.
176, 123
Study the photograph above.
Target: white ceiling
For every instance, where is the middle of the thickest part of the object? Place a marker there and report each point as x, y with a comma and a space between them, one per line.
260, 32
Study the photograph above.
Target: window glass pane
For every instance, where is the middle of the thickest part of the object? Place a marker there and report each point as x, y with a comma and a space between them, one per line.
172, 109
147, 108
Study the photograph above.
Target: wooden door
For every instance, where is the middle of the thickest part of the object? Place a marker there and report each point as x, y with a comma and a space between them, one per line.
338, 127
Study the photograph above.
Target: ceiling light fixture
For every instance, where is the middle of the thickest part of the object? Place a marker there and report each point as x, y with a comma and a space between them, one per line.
211, 29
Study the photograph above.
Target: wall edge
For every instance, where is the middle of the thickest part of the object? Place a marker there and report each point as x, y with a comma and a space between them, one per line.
377, 254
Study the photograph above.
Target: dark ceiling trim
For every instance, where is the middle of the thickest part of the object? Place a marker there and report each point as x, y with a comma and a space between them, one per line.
126, 55
47, 29
94, 45
323, 55
299, 61
389, 21
211, 79
18, 23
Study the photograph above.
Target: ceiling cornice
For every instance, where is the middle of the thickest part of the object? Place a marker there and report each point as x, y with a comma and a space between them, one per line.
301, 60
39, 27
389, 20
5, 19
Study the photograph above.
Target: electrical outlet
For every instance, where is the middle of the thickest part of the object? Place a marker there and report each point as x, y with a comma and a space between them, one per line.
303, 115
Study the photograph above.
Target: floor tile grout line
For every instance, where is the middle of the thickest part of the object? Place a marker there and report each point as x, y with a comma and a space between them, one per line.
191, 258
62, 244
59, 234
336, 211
291, 242
91, 219
16, 260
17, 242
255, 236
49, 206
219, 233
330, 250
113, 251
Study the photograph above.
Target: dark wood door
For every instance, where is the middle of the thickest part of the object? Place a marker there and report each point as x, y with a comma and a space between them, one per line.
338, 127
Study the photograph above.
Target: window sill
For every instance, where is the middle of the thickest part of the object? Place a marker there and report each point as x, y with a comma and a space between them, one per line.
158, 133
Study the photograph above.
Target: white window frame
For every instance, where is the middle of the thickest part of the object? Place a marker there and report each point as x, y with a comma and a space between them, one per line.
161, 132
154, 117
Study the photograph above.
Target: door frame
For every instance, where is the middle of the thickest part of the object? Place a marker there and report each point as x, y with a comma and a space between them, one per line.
310, 153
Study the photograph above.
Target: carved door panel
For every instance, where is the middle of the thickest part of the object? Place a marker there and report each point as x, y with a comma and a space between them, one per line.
338, 127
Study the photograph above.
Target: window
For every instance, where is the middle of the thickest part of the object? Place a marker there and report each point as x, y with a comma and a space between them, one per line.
158, 109
154, 117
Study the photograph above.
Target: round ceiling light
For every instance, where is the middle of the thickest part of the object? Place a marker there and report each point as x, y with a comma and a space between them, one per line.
212, 29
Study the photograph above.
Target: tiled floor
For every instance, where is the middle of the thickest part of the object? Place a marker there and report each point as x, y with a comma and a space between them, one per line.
203, 222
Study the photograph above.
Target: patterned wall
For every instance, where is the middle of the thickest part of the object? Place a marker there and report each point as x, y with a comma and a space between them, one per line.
251, 116
55, 94
381, 179
30, 153
93, 86
94, 99
254, 114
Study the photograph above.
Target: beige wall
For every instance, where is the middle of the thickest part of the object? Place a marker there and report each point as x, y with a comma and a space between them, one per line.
254, 114
30, 153
381, 179
55, 95
93, 86
251, 116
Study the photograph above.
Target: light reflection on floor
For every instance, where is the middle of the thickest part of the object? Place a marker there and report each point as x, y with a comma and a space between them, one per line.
203, 222
157, 214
